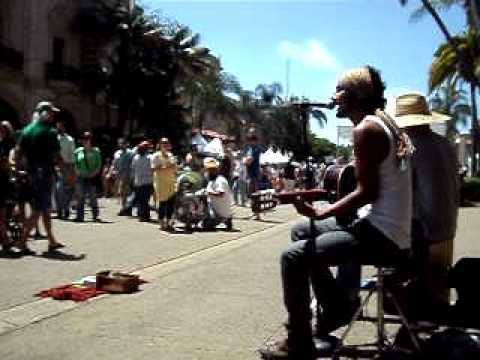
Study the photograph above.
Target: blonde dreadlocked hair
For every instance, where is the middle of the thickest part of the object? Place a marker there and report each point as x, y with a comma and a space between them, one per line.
366, 85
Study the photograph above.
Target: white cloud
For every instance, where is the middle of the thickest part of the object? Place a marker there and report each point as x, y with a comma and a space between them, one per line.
311, 53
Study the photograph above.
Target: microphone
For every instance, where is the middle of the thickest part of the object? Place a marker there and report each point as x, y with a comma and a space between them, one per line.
326, 105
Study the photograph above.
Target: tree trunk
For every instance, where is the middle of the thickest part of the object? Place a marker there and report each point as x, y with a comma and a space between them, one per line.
123, 99
474, 6
439, 22
462, 58
474, 129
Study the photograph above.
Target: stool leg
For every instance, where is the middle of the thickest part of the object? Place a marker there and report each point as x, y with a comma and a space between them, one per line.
380, 310
355, 317
405, 321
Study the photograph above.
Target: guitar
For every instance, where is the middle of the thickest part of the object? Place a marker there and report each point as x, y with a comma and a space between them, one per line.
338, 181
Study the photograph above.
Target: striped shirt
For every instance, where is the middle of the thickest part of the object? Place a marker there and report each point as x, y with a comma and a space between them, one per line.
142, 170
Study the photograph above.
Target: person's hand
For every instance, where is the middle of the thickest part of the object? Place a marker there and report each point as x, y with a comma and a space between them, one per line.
70, 179
310, 211
304, 208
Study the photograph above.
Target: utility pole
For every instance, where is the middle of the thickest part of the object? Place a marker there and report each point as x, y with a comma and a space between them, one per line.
287, 80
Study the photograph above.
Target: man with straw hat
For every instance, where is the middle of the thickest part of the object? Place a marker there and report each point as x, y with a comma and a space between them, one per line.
382, 153
435, 198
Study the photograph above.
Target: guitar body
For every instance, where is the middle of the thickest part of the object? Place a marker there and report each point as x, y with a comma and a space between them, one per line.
339, 181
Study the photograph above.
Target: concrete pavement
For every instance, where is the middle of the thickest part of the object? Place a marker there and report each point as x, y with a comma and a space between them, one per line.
208, 297
119, 243
221, 302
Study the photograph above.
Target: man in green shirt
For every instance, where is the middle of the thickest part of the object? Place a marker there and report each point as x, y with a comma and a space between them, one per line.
39, 148
88, 163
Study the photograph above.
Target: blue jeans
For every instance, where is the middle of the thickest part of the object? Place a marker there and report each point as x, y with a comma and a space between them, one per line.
307, 261
142, 195
86, 188
239, 190
63, 195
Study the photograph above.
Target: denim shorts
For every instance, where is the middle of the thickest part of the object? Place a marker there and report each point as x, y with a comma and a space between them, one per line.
42, 187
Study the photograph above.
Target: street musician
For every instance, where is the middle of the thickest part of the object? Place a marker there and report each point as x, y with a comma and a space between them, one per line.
383, 175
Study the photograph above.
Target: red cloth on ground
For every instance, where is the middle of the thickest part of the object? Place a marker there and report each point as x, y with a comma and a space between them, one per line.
70, 292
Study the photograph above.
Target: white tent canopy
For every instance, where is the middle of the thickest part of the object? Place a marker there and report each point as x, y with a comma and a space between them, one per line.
213, 148
200, 141
273, 157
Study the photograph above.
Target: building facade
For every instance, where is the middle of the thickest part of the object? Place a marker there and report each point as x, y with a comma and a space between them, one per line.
41, 58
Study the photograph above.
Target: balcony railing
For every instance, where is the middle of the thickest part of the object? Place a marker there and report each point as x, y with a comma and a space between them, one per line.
11, 57
60, 72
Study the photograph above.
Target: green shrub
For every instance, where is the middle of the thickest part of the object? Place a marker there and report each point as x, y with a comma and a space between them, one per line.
471, 189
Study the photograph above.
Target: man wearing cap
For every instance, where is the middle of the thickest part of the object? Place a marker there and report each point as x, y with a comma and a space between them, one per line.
383, 180
39, 147
220, 197
435, 199
88, 164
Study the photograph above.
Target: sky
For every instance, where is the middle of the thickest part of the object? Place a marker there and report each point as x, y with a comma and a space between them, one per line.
258, 40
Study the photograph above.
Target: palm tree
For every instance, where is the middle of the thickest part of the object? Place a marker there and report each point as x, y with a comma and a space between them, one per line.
448, 63
268, 94
472, 10
462, 56
451, 100
458, 56
145, 66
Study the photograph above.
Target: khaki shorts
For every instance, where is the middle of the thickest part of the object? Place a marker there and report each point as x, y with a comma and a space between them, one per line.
124, 186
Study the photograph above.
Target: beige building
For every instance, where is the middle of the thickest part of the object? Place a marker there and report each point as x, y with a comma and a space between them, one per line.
41, 58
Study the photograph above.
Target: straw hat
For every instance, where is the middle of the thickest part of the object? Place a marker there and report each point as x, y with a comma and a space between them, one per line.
210, 163
411, 109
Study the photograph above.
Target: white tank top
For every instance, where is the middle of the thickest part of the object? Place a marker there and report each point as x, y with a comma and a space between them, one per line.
391, 213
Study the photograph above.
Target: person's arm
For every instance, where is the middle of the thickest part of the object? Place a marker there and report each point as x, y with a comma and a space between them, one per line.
248, 158
172, 162
156, 162
116, 163
371, 146
222, 185
97, 161
188, 159
54, 147
76, 164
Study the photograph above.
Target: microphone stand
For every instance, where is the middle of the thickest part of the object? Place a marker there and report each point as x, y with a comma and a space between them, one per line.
304, 114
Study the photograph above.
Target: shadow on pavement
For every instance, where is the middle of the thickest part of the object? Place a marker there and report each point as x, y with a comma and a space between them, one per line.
62, 256
181, 230
6, 254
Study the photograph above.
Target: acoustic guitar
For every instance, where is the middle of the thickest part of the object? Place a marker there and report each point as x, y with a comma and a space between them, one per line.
338, 181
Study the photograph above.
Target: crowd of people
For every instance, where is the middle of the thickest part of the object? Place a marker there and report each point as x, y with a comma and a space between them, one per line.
44, 168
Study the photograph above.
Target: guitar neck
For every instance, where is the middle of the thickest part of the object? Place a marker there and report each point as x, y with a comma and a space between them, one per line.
291, 197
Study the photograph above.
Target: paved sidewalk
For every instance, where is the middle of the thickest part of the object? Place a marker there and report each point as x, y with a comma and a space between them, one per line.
221, 303
120, 243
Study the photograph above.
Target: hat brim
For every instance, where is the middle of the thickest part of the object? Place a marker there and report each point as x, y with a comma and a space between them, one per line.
420, 119
211, 166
